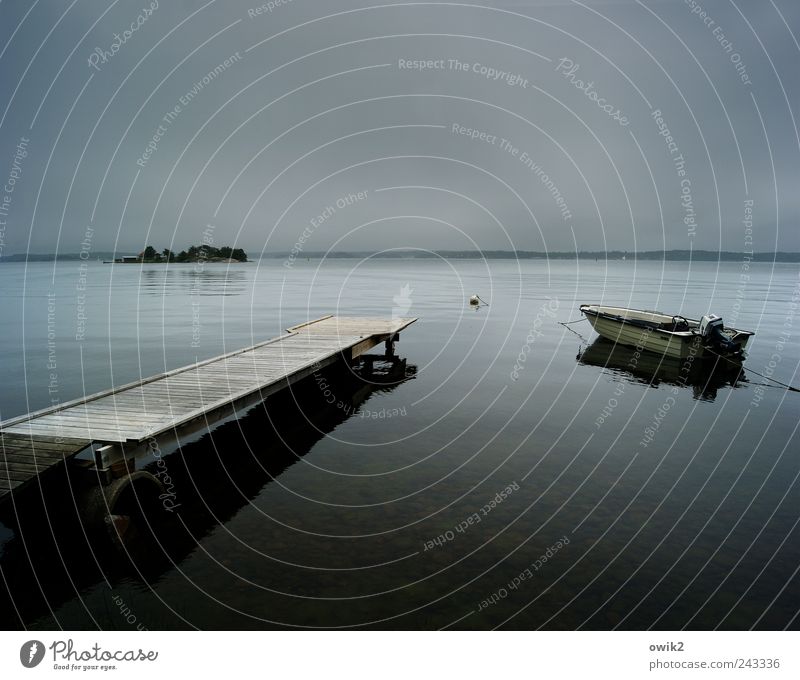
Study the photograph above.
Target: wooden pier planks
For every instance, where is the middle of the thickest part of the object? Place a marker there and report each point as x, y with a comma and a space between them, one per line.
154, 405
23, 457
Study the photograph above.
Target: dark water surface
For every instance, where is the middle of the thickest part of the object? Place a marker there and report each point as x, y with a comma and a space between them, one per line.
513, 480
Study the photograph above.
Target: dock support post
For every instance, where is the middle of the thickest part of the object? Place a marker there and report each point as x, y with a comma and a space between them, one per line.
369, 363
112, 461
390, 344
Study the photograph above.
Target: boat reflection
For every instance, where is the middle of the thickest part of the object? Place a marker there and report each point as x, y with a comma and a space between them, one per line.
703, 375
48, 555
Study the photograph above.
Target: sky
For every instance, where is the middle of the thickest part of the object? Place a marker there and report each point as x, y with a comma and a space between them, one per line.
368, 125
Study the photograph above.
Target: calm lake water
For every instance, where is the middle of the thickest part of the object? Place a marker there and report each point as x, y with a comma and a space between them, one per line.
517, 479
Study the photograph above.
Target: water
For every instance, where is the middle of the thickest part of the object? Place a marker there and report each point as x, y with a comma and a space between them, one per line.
513, 482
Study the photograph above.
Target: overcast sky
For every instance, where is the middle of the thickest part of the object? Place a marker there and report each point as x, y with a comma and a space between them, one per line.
316, 124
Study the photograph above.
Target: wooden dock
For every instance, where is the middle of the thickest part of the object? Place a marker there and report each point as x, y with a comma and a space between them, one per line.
133, 414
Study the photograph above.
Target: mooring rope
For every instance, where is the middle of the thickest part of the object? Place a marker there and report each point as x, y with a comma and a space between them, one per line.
790, 388
566, 325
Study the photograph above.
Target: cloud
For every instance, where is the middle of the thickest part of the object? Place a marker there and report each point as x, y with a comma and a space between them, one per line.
325, 100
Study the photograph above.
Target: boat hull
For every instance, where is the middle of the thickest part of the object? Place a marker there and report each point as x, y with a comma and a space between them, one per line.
637, 329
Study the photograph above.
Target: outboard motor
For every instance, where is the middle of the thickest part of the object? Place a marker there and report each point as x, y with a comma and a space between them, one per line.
711, 330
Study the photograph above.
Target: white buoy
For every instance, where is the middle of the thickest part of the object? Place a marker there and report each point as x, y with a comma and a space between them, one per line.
474, 300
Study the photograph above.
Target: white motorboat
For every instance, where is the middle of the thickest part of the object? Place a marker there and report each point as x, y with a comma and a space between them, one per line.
674, 336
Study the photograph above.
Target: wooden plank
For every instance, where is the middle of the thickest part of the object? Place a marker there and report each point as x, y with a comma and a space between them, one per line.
199, 388
209, 385
101, 407
118, 419
30, 466
45, 449
308, 323
90, 433
155, 411
139, 402
363, 346
17, 476
26, 468
82, 400
26, 461
183, 386
153, 405
265, 391
65, 420
9, 439
91, 417
31, 457
39, 450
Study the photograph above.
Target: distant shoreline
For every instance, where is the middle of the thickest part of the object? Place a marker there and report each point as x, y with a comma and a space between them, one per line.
647, 255
650, 255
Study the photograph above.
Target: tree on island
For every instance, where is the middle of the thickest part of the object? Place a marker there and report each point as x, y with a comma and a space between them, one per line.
149, 253
201, 253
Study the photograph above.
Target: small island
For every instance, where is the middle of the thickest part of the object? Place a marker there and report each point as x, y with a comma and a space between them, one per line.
202, 253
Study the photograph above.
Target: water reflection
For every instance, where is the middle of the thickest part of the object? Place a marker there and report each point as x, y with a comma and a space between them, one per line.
204, 281
703, 375
51, 557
